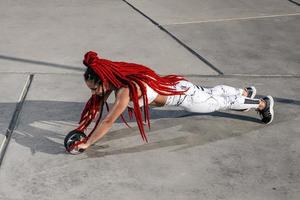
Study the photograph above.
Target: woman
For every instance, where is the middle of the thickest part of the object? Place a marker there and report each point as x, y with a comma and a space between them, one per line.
137, 86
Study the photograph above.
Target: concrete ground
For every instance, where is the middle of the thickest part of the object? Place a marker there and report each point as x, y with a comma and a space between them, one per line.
222, 155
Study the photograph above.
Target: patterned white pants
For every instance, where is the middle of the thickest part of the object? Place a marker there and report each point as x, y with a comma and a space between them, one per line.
205, 100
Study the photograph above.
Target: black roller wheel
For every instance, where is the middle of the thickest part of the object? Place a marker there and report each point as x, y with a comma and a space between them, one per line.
71, 138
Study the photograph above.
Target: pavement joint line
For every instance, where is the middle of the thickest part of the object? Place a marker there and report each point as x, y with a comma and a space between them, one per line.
245, 75
185, 75
268, 75
232, 19
37, 62
15, 117
43, 73
176, 39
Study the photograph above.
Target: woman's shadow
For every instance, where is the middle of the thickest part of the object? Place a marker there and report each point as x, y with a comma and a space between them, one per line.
43, 125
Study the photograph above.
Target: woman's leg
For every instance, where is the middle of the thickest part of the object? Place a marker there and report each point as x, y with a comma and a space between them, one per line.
219, 90
224, 90
200, 101
203, 102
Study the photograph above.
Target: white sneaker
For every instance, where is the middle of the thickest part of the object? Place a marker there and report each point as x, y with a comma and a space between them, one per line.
267, 114
251, 90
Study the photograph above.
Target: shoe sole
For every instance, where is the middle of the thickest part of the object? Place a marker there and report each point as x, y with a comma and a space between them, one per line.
271, 108
252, 96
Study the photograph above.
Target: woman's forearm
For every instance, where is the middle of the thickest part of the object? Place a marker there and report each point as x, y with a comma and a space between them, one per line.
119, 106
99, 132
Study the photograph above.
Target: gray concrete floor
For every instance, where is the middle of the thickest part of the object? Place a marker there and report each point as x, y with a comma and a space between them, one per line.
222, 155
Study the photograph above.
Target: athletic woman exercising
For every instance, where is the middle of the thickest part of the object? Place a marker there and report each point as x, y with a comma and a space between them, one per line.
136, 86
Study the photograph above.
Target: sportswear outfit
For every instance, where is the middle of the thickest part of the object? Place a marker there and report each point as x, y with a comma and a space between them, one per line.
205, 100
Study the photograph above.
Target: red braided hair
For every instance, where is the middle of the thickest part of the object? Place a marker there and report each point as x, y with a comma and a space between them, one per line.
122, 74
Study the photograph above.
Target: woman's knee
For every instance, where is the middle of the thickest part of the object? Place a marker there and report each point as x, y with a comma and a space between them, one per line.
208, 106
218, 90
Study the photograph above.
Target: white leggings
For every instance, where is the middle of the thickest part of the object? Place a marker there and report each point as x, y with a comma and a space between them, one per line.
206, 100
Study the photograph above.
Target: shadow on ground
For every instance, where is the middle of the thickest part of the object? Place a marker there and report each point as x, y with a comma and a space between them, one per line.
43, 125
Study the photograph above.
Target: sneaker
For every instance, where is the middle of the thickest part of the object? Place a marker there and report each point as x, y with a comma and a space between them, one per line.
267, 114
251, 92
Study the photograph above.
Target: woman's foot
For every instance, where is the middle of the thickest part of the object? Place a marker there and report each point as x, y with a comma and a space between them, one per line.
266, 110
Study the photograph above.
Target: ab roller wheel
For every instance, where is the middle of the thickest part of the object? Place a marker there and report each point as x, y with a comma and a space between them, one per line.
71, 139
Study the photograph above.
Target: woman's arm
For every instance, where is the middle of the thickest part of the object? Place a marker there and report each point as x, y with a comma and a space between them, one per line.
83, 125
121, 102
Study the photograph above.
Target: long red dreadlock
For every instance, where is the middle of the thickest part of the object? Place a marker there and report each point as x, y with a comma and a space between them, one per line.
122, 74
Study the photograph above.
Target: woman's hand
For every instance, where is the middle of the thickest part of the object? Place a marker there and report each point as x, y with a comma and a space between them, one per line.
83, 146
